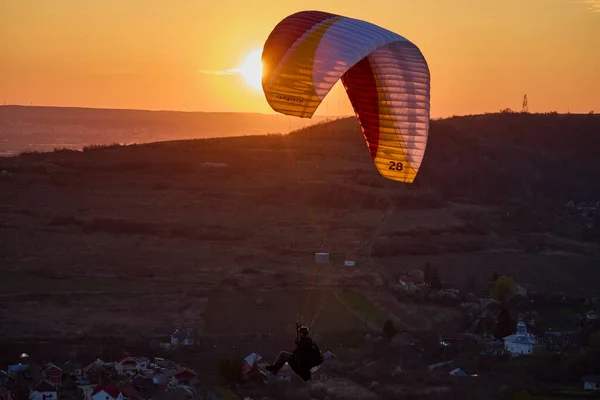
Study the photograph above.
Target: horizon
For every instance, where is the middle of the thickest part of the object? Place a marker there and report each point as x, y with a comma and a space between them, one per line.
164, 110
316, 116
200, 57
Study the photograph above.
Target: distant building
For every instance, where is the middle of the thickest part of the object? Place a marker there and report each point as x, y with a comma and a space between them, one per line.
129, 365
16, 370
592, 316
520, 343
181, 337
185, 377
52, 374
410, 282
131, 393
458, 372
43, 391
322, 258
591, 382
252, 360
585, 213
110, 392
165, 377
560, 341
74, 370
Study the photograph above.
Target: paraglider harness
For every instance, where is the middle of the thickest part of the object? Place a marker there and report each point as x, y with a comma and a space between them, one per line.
303, 365
316, 356
310, 358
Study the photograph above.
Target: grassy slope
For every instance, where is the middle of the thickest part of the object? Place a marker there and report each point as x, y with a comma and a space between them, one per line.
158, 220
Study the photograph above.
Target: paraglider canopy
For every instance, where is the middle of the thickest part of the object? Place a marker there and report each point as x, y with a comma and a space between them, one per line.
385, 76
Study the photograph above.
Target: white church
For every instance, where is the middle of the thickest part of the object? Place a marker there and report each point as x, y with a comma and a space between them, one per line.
520, 343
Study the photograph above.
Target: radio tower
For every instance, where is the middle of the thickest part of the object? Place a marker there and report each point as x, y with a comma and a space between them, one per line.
525, 108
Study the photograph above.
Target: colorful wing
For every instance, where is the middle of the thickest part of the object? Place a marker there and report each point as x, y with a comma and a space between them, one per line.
385, 75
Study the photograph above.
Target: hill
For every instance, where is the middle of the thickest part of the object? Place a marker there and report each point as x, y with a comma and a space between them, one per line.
173, 226
24, 128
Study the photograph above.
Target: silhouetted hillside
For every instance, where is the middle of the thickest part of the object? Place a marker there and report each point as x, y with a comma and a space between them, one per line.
490, 197
546, 158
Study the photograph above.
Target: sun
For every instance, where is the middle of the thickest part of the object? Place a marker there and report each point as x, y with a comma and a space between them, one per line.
251, 69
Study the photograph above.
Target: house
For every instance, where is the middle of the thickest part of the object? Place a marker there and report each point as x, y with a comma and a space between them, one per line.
458, 372
520, 343
126, 364
592, 316
140, 382
6, 379
110, 392
286, 373
95, 371
18, 370
591, 382
43, 391
52, 374
74, 370
251, 360
131, 393
410, 282
181, 337
163, 363
492, 347
323, 372
322, 258
443, 364
558, 342
164, 377
185, 377
86, 390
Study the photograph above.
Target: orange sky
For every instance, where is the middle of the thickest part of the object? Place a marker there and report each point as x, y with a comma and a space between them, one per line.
483, 55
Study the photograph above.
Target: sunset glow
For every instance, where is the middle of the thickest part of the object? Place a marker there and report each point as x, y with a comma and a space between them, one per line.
251, 69
483, 56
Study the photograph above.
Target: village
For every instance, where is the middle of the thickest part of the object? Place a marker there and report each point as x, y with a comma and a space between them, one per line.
507, 339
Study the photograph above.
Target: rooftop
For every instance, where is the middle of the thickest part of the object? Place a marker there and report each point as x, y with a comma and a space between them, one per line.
112, 390
180, 334
44, 387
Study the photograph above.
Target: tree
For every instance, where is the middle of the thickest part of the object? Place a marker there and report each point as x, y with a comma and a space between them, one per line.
427, 273
594, 340
471, 284
431, 276
495, 277
504, 325
389, 329
436, 282
503, 288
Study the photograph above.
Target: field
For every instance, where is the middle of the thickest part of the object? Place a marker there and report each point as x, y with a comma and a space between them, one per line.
219, 235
